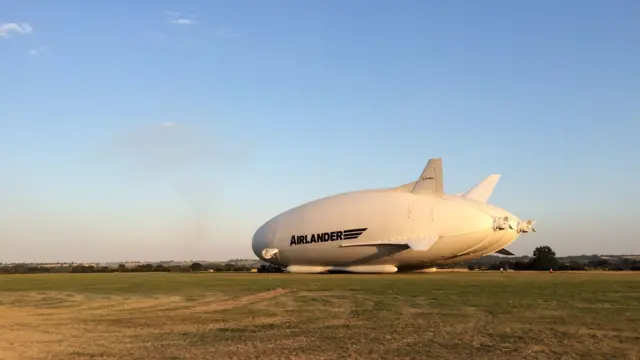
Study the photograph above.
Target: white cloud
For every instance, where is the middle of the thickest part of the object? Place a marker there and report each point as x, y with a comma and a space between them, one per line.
37, 51
8, 28
183, 21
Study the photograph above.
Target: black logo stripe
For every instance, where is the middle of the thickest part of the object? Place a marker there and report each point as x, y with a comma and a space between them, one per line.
352, 234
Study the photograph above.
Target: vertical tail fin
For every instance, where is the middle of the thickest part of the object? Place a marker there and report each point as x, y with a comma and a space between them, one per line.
430, 181
483, 190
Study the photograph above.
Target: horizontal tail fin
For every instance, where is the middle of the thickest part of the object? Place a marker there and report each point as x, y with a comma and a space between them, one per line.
483, 190
430, 181
505, 252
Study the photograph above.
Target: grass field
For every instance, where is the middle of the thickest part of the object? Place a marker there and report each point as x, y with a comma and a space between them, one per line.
286, 316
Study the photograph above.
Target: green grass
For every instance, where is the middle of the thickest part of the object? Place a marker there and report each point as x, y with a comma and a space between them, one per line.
280, 316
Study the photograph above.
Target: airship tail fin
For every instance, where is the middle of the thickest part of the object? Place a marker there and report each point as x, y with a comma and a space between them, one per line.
506, 252
430, 181
483, 190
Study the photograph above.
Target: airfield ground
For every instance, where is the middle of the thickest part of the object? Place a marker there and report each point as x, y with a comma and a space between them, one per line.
286, 316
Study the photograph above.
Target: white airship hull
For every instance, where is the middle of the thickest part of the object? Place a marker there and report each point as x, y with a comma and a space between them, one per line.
411, 227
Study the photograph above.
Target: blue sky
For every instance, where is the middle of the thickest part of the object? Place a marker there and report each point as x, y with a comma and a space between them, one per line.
173, 129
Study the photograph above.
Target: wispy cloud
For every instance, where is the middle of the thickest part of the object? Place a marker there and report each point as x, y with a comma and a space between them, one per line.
37, 51
183, 21
7, 28
180, 19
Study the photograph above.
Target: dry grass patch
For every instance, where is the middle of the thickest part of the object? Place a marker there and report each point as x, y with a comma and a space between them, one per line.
284, 316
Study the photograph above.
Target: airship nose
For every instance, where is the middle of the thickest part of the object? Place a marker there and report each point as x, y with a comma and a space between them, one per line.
264, 238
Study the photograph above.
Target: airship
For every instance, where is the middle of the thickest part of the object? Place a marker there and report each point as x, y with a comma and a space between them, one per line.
411, 227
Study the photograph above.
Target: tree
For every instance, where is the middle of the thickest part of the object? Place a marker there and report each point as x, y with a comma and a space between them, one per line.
544, 258
216, 267
159, 267
196, 267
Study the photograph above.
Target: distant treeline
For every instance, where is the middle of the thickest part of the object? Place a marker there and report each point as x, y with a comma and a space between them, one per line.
624, 265
544, 259
31, 269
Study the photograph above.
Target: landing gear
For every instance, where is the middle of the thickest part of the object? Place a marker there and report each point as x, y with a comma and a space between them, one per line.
270, 268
